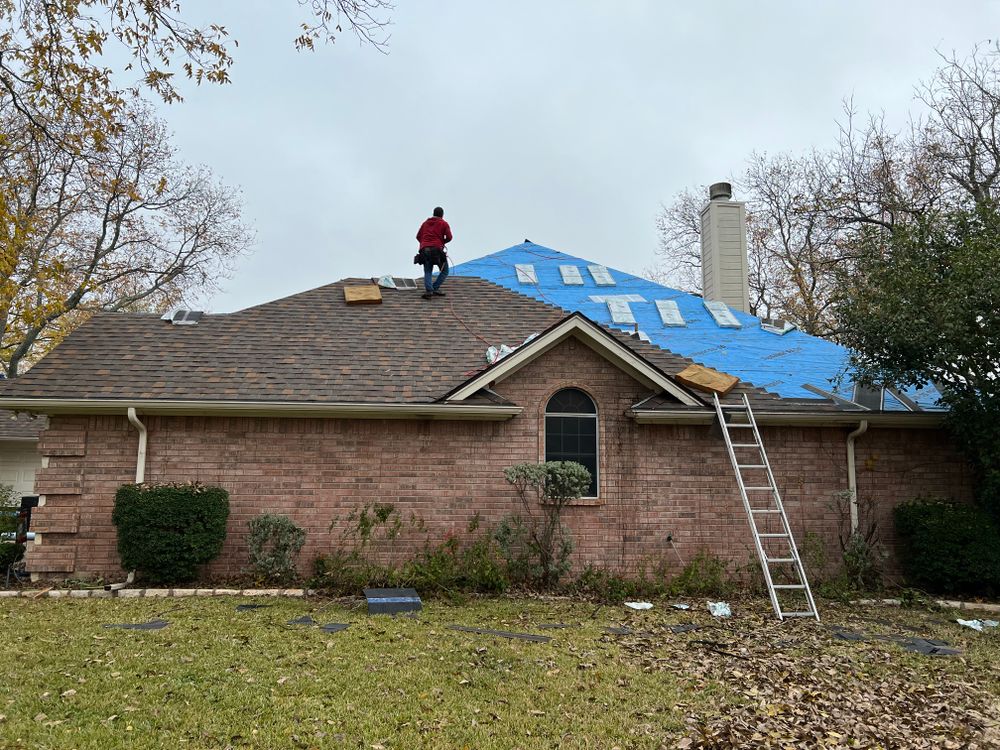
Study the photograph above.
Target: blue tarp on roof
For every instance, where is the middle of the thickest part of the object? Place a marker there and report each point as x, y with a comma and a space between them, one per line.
781, 364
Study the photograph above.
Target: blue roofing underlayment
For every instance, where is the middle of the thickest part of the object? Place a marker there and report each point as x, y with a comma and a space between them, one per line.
781, 364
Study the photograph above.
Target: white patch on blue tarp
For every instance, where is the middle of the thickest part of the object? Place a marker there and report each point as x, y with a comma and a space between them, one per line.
526, 273
571, 275
602, 277
723, 316
670, 313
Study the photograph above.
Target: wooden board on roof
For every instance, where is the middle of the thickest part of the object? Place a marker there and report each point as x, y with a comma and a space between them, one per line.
363, 294
707, 379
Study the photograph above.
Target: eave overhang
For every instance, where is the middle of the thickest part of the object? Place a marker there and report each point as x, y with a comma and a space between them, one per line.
167, 407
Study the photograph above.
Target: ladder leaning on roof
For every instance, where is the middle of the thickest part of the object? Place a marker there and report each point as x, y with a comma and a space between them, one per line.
786, 561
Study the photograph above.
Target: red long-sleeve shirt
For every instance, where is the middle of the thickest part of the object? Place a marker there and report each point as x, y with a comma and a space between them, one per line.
434, 232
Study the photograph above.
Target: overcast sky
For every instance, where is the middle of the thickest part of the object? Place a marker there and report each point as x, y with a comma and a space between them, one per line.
565, 121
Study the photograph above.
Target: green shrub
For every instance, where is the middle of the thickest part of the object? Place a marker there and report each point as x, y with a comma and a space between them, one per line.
705, 575
166, 531
536, 543
610, 586
274, 542
10, 553
948, 548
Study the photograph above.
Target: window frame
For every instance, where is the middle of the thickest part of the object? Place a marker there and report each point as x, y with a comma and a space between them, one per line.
595, 415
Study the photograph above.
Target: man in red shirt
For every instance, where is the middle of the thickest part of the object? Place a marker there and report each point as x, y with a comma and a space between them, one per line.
433, 235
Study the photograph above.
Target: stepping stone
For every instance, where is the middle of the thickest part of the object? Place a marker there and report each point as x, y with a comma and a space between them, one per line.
503, 634
151, 625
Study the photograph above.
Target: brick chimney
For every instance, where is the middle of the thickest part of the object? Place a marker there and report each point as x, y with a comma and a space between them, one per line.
724, 248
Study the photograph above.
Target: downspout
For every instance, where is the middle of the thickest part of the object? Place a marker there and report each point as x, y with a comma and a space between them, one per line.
140, 477
140, 459
852, 477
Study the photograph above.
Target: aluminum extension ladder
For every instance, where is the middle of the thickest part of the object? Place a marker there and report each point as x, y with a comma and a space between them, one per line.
774, 542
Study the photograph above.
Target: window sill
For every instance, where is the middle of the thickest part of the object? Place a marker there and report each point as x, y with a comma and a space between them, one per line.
585, 501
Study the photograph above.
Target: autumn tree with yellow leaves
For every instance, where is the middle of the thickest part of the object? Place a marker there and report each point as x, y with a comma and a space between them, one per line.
97, 211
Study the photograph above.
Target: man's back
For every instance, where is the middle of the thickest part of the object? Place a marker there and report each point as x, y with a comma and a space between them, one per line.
434, 232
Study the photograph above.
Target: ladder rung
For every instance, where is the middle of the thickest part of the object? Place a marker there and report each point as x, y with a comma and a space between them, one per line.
788, 586
780, 559
757, 489
752, 466
731, 425
798, 614
773, 536
746, 445
764, 510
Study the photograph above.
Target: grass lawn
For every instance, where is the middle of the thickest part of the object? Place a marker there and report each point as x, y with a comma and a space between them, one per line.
218, 678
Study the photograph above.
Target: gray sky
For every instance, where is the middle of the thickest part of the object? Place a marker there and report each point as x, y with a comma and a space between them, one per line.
566, 121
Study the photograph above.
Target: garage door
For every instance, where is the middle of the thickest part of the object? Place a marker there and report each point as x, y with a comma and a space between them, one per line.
18, 462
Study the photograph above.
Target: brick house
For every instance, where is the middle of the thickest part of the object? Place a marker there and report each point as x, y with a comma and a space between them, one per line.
310, 406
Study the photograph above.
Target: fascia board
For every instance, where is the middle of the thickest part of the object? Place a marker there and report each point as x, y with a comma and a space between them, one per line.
261, 408
592, 337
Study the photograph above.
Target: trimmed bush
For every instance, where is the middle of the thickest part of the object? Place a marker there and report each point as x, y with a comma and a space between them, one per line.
167, 531
948, 548
274, 542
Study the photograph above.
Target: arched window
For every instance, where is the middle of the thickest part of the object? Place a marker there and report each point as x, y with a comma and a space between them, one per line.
571, 431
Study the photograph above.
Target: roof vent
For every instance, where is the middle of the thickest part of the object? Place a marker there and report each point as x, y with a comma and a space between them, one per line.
182, 317
776, 325
526, 273
720, 191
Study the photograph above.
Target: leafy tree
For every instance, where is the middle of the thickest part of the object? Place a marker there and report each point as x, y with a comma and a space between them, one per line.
124, 227
922, 308
55, 57
810, 215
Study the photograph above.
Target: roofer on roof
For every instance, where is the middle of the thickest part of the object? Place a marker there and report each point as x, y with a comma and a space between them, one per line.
433, 235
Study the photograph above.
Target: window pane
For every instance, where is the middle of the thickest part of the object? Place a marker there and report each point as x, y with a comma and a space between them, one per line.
573, 439
570, 401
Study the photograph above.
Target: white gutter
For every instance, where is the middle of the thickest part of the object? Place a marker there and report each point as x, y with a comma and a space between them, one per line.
140, 458
263, 408
924, 419
852, 477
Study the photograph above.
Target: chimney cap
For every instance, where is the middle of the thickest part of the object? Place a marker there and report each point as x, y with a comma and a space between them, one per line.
720, 191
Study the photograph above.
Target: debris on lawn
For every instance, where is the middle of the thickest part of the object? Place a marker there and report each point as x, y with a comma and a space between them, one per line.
392, 601
638, 605
335, 627
786, 684
681, 605
248, 607
151, 625
304, 620
629, 631
719, 609
684, 627
553, 626
928, 646
978, 624
502, 634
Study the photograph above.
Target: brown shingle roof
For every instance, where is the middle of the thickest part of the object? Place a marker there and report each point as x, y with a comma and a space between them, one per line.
309, 347
20, 426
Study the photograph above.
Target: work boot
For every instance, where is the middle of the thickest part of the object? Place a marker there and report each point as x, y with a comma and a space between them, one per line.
427, 295
438, 293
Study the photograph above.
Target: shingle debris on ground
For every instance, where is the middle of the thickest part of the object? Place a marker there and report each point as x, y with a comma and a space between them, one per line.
502, 634
151, 625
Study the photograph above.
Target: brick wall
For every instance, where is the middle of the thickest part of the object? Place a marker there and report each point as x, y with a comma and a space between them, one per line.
655, 480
